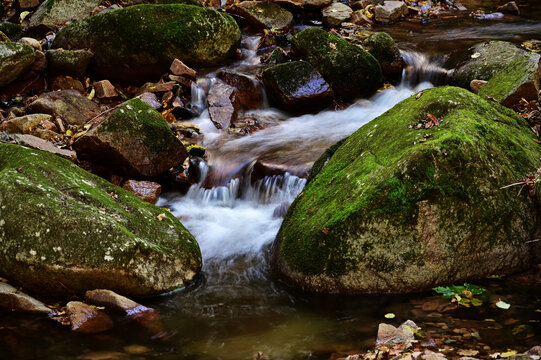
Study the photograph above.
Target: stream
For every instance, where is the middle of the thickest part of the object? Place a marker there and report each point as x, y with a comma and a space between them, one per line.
234, 309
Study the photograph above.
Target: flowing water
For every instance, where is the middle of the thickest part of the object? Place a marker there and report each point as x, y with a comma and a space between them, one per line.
235, 309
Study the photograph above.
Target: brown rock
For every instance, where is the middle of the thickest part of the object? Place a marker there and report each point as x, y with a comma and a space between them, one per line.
67, 83
388, 334
27, 4
316, 3
181, 80
295, 6
151, 99
70, 105
31, 42
12, 299
180, 69
476, 85
86, 319
105, 90
157, 87
40, 144
40, 63
248, 89
223, 104
49, 125
261, 15
390, 11
511, 8
24, 124
45, 134
114, 302
146, 190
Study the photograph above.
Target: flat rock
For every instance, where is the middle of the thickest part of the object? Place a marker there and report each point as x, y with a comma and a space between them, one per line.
86, 319
12, 299
146, 190
134, 139
181, 69
297, 87
34, 142
223, 104
24, 124
70, 105
262, 15
335, 14
15, 60
57, 12
114, 302
248, 89
390, 11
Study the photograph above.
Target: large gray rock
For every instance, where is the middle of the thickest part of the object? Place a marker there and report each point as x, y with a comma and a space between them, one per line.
57, 12
135, 139
82, 232
15, 60
335, 14
390, 11
404, 205
69, 105
140, 42
297, 87
12, 299
263, 14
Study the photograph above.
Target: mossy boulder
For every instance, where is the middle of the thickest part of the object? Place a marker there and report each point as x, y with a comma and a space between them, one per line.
297, 87
382, 46
15, 59
398, 207
56, 12
64, 231
351, 70
260, 15
140, 42
135, 140
187, 2
13, 31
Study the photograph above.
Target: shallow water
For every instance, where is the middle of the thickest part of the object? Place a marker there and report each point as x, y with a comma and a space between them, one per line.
235, 309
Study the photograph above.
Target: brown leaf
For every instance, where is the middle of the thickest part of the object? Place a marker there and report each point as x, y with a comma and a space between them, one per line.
325, 231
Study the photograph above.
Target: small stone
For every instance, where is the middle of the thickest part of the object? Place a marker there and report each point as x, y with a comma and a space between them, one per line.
146, 190
113, 301
390, 11
40, 144
24, 124
67, 83
179, 68
48, 125
31, 42
248, 89
86, 319
27, 4
157, 87
45, 134
151, 99
181, 80
13, 300
511, 8
476, 85
223, 104
105, 90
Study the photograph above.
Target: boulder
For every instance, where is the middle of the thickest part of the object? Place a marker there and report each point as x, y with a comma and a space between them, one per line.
146, 190
351, 71
390, 11
86, 319
404, 205
384, 49
135, 139
297, 87
69, 105
335, 14
262, 15
13, 31
15, 60
68, 62
140, 42
57, 12
248, 89
85, 233
223, 104
12, 299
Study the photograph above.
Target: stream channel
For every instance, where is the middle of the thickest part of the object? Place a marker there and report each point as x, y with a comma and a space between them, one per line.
235, 310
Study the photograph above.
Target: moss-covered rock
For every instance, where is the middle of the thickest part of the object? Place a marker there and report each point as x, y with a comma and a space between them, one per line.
68, 62
399, 208
15, 59
13, 31
134, 140
65, 231
186, 2
262, 15
382, 46
351, 70
297, 87
141, 42
55, 12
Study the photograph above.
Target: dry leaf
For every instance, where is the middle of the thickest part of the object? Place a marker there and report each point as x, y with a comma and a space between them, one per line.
467, 352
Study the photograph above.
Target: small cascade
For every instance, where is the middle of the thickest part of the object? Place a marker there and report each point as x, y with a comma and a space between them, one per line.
420, 68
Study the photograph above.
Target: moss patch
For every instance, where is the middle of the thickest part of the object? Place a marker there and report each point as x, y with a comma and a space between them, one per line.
15, 59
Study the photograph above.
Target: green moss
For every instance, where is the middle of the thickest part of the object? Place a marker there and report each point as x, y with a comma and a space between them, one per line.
13, 31
56, 216
351, 71
15, 59
371, 200
382, 47
141, 41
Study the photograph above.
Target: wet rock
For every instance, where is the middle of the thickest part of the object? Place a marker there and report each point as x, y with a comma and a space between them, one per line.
476, 85
24, 124
31, 42
384, 49
294, 6
114, 302
105, 90
277, 56
158, 87
70, 105
67, 83
57, 12
248, 89
146, 190
181, 80
297, 87
351, 71
335, 14
69, 62
381, 197
15, 60
13, 31
180, 69
129, 50
137, 254
535, 351
12, 299
281, 210
390, 11
390, 335
135, 139
262, 15
511, 8
223, 104
40, 144
151, 99
27, 4
86, 319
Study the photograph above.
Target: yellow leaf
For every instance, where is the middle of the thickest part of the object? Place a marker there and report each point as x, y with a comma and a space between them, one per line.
476, 55
508, 354
92, 94
161, 217
23, 15
390, 316
69, 133
79, 134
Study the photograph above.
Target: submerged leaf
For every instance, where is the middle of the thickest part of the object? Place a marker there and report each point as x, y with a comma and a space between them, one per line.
503, 305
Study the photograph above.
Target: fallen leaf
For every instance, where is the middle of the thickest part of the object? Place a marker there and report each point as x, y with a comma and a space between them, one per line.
476, 55
467, 352
325, 231
419, 95
161, 217
332, 46
92, 94
503, 305
508, 353
390, 316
